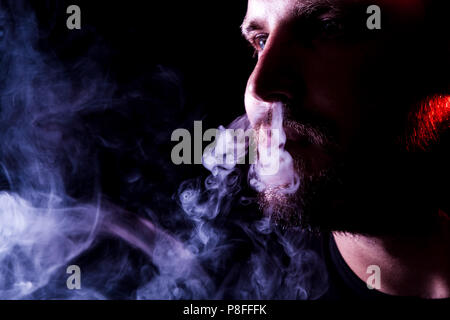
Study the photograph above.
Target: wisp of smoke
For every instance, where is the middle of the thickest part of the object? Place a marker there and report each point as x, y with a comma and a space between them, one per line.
218, 253
275, 166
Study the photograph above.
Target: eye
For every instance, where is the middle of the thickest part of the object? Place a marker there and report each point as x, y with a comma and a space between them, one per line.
259, 42
329, 28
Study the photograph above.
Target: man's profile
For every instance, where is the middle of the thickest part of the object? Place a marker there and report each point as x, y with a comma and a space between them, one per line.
366, 114
347, 130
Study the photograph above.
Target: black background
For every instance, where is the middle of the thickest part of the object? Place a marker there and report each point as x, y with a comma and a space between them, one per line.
186, 60
199, 39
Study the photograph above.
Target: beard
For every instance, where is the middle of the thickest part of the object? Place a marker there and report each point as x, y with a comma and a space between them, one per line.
373, 190
294, 208
306, 208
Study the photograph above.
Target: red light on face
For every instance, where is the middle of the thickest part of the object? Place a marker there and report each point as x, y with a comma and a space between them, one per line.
444, 215
432, 118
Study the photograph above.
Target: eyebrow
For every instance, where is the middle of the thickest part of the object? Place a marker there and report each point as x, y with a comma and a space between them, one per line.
248, 27
302, 9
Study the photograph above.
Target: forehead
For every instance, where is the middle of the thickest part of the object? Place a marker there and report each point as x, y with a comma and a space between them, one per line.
269, 11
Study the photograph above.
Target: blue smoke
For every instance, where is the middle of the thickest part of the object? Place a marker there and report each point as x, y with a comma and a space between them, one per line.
205, 242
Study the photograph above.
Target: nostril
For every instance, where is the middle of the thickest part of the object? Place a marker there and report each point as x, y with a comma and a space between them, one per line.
279, 97
271, 87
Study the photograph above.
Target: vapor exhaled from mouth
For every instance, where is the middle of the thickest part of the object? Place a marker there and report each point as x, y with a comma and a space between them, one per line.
54, 213
274, 168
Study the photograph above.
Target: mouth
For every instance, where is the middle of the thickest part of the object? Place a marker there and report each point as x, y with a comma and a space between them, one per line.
293, 137
312, 156
298, 144
300, 149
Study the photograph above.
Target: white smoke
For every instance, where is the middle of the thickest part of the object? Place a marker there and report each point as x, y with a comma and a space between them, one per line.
275, 166
43, 229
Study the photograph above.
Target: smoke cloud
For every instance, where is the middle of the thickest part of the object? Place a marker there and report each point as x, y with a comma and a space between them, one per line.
207, 241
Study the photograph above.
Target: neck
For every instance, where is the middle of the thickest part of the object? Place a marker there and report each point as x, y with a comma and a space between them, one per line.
409, 266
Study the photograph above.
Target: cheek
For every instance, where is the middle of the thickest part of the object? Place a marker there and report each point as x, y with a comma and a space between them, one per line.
333, 76
335, 88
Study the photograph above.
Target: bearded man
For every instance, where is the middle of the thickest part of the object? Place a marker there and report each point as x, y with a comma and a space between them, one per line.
366, 117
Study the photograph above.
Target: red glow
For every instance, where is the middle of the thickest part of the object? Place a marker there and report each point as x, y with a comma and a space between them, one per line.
444, 215
431, 120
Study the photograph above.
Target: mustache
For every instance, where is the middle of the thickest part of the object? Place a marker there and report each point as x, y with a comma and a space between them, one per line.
301, 128
305, 133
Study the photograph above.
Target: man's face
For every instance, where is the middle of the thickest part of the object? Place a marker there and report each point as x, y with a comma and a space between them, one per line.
347, 93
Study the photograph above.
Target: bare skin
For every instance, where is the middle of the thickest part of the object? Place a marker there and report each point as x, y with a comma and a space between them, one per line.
408, 267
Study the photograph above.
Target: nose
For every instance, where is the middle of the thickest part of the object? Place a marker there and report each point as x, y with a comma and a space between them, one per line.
274, 77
